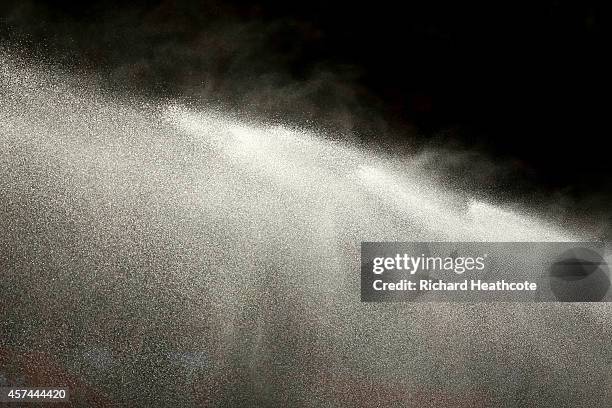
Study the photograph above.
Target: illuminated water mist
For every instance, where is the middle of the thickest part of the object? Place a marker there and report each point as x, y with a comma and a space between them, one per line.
181, 255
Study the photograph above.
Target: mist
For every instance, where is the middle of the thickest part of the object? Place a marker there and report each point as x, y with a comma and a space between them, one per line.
167, 253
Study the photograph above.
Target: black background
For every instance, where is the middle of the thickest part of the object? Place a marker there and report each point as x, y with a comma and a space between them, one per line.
525, 81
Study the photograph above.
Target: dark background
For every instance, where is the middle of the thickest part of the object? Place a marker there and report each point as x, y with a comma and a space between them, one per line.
525, 82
